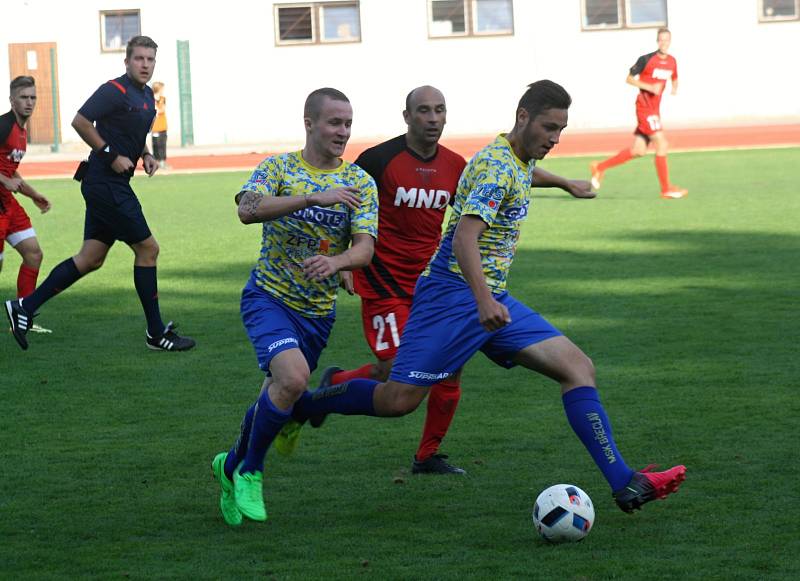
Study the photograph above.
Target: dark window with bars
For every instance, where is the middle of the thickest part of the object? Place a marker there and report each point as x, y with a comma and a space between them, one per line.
775, 10
600, 14
117, 28
319, 22
447, 18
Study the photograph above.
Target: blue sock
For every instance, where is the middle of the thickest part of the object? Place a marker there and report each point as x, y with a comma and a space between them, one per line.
239, 449
351, 398
146, 282
61, 277
267, 422
589, 421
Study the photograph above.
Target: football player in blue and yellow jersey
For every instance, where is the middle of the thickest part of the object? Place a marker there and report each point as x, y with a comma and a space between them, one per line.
461, 304
319, 216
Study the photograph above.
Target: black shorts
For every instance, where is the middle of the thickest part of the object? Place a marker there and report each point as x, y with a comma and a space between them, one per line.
113, 212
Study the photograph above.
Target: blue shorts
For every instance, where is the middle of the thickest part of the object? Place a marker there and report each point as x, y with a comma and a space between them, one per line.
273, 327
113, 212
443, 332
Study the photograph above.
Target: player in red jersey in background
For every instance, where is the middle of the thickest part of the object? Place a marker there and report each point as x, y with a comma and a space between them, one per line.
416, 178
649, 75
15, 225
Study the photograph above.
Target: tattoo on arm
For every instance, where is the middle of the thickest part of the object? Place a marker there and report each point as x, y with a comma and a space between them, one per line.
249, 203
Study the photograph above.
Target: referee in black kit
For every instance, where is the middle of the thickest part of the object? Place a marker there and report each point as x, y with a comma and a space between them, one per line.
114, 122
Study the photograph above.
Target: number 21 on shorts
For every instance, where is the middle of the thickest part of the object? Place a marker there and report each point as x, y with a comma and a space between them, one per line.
380, 324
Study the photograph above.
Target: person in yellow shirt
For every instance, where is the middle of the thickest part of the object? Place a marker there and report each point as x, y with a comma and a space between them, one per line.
159, 130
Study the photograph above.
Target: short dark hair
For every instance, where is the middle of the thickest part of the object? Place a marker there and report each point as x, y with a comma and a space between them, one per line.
543, 95
144, 41
315, 98
21, 82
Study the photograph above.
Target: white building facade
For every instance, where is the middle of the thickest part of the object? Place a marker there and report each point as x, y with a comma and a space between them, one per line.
252, 63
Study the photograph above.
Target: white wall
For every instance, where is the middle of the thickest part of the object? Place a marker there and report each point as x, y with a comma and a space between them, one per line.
733, 69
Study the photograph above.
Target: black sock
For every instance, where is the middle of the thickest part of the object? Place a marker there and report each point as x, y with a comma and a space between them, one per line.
59, 279
146, 282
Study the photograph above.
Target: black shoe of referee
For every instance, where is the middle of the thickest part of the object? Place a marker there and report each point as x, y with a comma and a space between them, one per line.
169, 340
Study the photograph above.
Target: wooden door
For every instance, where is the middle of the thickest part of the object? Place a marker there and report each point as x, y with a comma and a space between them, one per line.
39, 60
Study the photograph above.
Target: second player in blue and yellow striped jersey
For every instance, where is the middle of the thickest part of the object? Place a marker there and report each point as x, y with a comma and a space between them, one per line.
289, 240
495, 187
319, 217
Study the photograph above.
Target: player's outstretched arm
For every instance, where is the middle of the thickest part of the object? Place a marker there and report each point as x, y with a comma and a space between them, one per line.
12, 184
576, 188
491, 314
255, 207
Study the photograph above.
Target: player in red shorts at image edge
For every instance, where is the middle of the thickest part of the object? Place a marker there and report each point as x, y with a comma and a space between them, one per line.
649, 75
15, 225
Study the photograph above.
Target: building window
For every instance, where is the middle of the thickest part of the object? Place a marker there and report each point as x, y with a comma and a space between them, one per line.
117, 27
317, 22
614, 14
776, 10
448, 18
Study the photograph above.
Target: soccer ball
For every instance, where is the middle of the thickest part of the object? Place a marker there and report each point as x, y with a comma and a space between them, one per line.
563, 513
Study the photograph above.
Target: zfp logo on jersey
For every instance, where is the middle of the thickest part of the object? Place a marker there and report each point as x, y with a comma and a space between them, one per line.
421, 198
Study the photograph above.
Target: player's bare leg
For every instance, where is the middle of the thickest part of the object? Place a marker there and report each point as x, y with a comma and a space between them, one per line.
598, 168
561, 360
91, 256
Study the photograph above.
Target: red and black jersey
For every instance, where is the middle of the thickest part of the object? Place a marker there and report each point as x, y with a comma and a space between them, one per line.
413, 196
13, 144
653, 68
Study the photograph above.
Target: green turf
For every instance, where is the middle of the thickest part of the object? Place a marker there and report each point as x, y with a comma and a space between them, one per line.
688, 309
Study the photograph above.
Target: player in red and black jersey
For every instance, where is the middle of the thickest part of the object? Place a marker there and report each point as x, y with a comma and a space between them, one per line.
650, 75
416, 180
15, 225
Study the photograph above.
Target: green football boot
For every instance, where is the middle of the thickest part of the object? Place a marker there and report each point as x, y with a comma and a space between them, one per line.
249, 494
227, 502
286, 441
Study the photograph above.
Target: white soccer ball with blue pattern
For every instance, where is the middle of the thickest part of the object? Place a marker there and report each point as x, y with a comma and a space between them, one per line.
563, 513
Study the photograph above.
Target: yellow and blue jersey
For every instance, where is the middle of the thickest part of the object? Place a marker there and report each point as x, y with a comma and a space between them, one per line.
289, 240
495, 187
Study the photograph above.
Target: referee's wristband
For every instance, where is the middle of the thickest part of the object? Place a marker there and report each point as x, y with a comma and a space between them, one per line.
106, 154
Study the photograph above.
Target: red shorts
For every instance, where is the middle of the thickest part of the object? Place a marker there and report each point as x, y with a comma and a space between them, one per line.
384, 320
15, 225
649, 122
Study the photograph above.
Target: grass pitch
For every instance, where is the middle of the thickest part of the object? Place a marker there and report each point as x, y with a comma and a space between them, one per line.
688, 309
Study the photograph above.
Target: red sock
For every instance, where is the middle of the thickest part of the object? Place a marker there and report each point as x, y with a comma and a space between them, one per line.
364, 372
442, 402
26, 280
663, 172
618, 159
